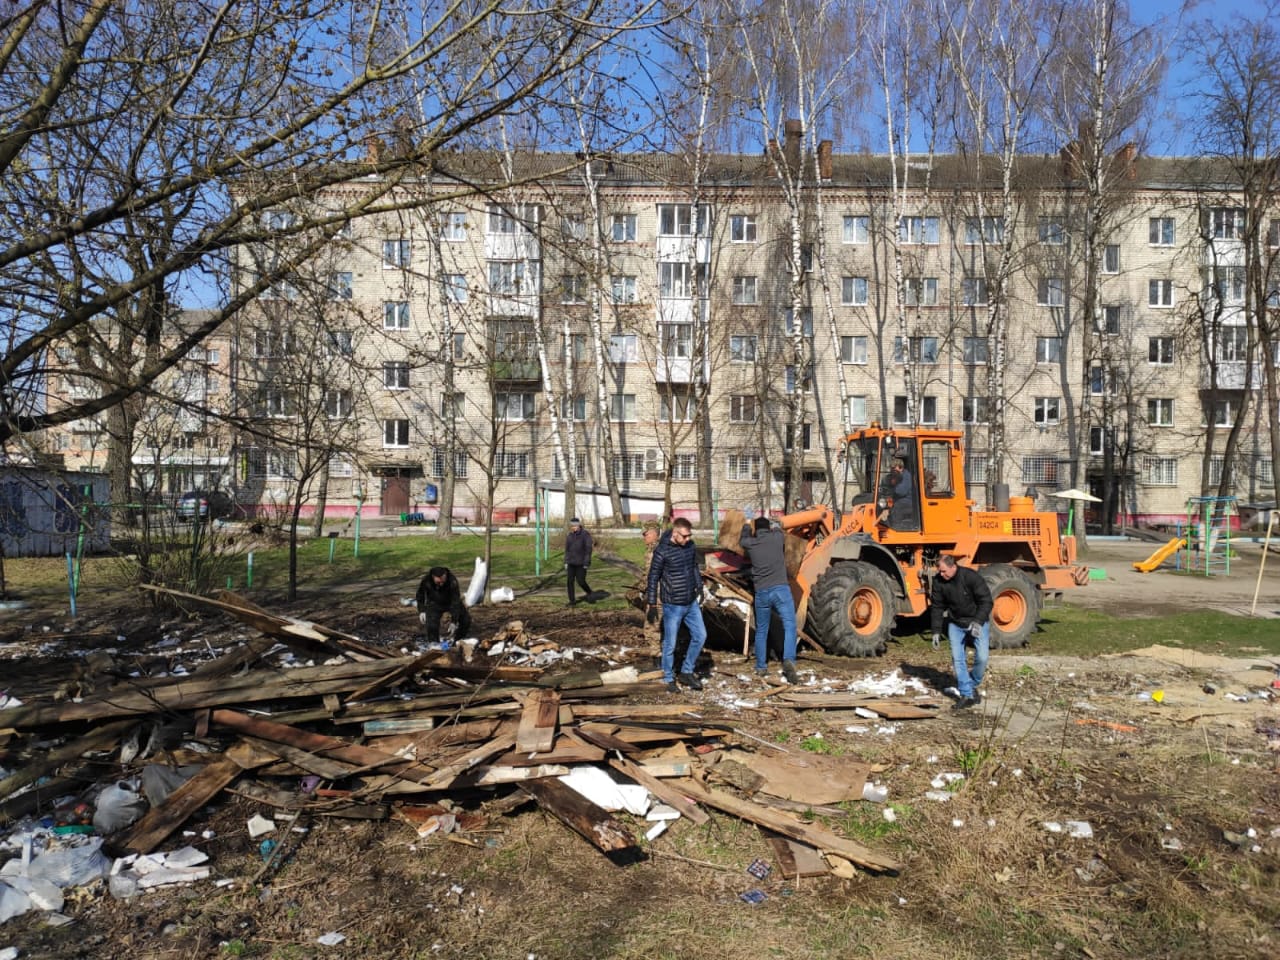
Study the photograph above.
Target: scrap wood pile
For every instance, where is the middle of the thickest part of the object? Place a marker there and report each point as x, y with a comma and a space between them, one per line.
457, 745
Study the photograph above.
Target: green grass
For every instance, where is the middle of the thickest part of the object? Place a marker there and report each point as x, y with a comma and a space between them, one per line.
1071, 631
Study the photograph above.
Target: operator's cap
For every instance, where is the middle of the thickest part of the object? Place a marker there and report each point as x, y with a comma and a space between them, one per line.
575, 522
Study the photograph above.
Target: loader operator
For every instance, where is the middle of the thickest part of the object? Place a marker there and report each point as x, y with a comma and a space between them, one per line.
962, 600
901, 515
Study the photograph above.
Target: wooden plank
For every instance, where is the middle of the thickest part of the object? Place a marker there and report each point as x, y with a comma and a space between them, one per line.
159, 822
310, 762
448, 773
233, 660
891, 709
592, 733
583, 711
795, 859
668, 794
402, 672
361, 757
567, 749
778, 822
33, 769
597, 826
537, 730
384, 728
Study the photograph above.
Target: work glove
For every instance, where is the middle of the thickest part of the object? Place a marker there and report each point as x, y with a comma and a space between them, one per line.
651, 614
422, 618
937, 640
975, 629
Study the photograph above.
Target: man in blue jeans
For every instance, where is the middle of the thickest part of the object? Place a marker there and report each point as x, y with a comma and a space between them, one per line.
962, 599
766, 550
675, 568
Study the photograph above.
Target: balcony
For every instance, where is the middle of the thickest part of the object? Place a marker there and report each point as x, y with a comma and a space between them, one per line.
515, 369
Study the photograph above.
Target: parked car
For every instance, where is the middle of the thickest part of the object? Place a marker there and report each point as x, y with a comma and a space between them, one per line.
206, 504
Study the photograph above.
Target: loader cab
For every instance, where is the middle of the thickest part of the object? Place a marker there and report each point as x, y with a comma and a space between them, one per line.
882, 469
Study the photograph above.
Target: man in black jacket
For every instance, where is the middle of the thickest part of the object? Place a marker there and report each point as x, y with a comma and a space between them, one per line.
577, 557
438, 594
675, 568
766, 549
962, 599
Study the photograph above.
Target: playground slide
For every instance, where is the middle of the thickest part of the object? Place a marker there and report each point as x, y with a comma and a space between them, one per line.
1160, 556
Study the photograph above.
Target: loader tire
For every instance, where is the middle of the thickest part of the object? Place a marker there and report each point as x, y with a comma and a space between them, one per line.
854, 606
1015, 608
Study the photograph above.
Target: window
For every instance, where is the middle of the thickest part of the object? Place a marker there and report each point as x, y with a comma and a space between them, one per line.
455, 287
511, 464
742, 466
1048, 411
1160, 411
1273, 232
340, 466
579, 465
459, 345
622, 407
973, 291
513, 341
506, 220
676, 339
395, 315
1051, 292
623, 348
339, 343
395, 253
928, 410
921, 291
1109, 321
1111, 258
855, 230
573, 288
1160, 471
574, 226
279, 220
983, 230
975, 350
918, 230
1160, 231
1098, 437
453, 226
1048, 349
1052, 230
512, 277
1226, 223
923, 350
438, 463
676, 406
1232, 344
337, 404
274, 402
513, 406
976, 410
272, 343
806, 323
1226, 284
1160, 293
789, 380
742, 408
685, 467
675, 280
395, 433
1160, 350
622, 289
628, 466
1225, 412
574, 408
340, 285
1038, 469
265, 462
395, 374
622, 228
853, 349
742, 228
975, 468
857, 410
742, 348
744, 290
452, 406
676, 219
806, 436
853, 291
1265, 471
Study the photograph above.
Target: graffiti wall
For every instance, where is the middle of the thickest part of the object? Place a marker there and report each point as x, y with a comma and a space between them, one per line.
42, 513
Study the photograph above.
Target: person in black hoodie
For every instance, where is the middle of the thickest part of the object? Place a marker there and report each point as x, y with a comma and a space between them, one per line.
675, 569
766, 549
438, 594
577, 557
962, 600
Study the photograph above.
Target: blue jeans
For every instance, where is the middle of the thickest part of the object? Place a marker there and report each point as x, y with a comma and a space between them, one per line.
968, 681
672, 617
768, 600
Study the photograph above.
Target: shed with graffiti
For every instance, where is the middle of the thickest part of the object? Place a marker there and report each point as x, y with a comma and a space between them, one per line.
44, 513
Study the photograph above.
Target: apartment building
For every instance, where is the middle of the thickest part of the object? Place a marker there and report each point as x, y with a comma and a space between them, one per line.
622, 318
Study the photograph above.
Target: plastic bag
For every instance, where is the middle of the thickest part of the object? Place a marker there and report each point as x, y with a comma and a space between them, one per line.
119, 805
502, 595
71, 866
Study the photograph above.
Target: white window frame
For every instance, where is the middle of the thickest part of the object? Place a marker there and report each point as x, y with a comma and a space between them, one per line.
395, 434
919, 230
853, 291
395, 315
1051, 231
991, 231
573, 288
743, 408
742, 228
1160, 351
973, 292
338, 404
1161, 231
460, 461
1111, 258
1051, 292
453, 226
514, 406
455, 287
1047, 411
745, 291
1160, 471
622, 408
1048, 350
622, 288
856, 411
624, 348
395, 374
975, 351
340, 286
1160, 294
622, 228
743, 467
920, 291
975, 410
397, 253
853, 349
1160, 411
743, 348
855, 228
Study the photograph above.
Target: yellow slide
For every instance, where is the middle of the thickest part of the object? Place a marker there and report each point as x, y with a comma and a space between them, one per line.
1160, 556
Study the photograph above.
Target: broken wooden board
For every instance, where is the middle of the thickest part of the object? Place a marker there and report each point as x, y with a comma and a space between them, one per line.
796, 860
888, 709
314, 763
671, 796
806, 777
597, 826
778, 822
537, 730
601, 735
34, 769
305, 740
159, 822
397, 675
583, 711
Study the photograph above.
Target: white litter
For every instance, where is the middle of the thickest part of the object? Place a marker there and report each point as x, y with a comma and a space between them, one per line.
331, 939
1080, 829
875, 793
657, 830
502, 595
866, 714
601, 789
856, 729
942, 796
889, 814
660, 811
259, 826
893, 684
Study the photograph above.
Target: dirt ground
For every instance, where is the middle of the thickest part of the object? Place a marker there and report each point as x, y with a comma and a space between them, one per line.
1181, 798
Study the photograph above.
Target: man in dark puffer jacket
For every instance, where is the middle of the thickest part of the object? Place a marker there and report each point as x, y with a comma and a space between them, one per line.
675, 567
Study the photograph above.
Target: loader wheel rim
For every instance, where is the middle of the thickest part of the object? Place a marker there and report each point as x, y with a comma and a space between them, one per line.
1010, 610
866, 611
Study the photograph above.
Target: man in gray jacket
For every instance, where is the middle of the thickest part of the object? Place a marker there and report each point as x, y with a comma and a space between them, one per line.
765, 550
